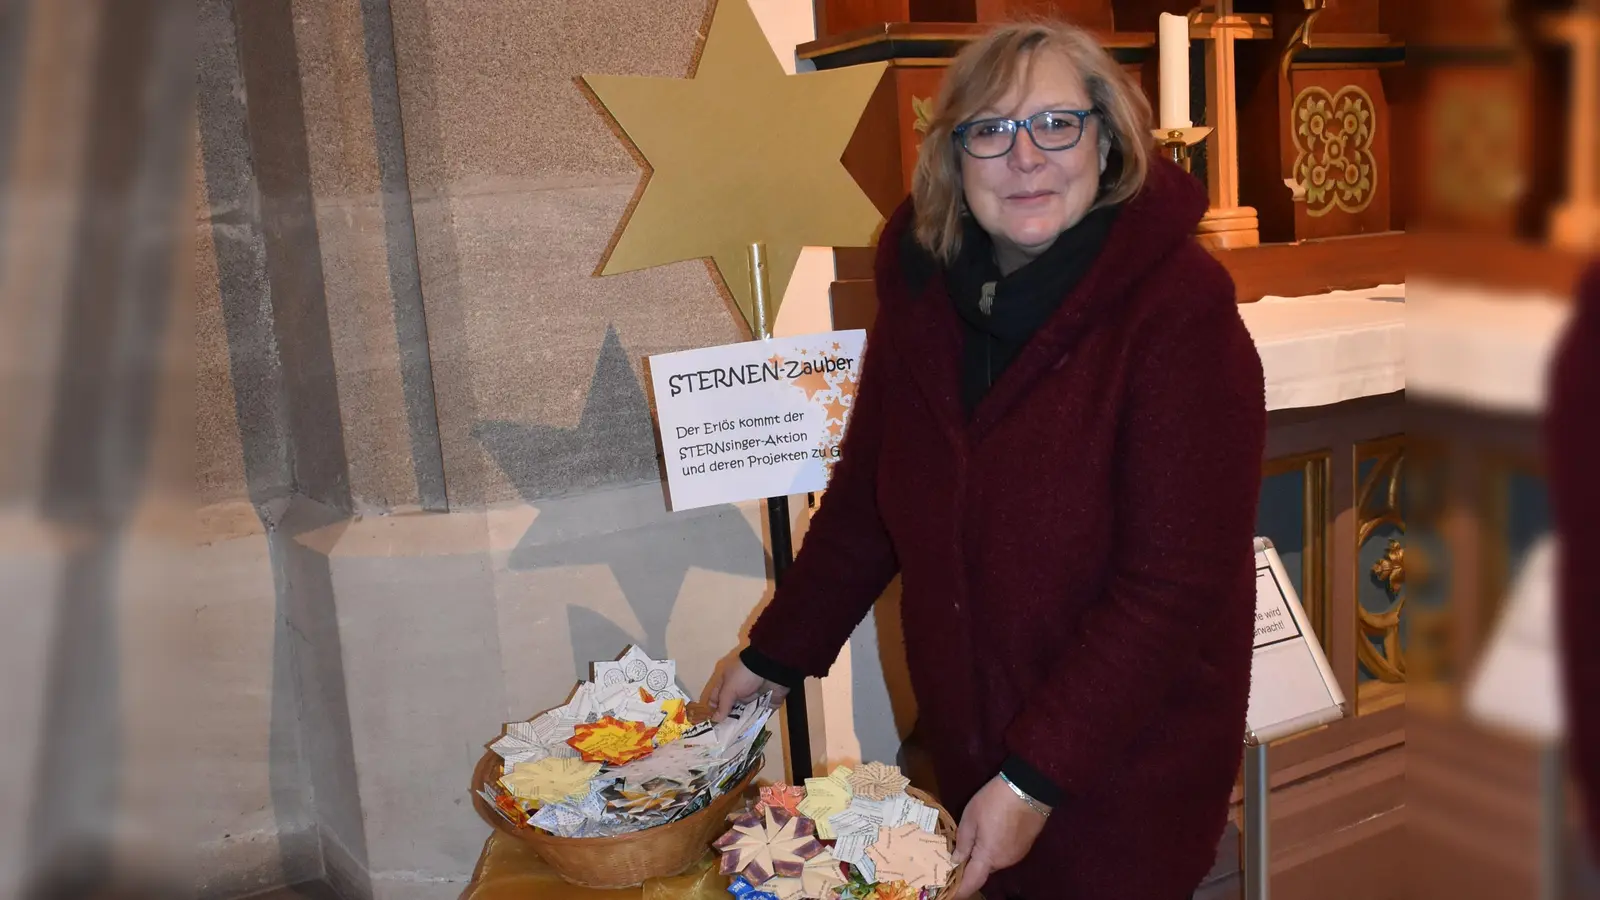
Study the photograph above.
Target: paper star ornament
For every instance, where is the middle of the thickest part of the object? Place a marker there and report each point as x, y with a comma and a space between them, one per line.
907, 853
550, 780
825, 797
613, 741
782, 796
636, 667
876, 781
760, 848
740, 153
675, 724
821, 876
520, 744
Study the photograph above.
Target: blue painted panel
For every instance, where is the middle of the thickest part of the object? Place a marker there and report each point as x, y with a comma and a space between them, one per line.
1282, 517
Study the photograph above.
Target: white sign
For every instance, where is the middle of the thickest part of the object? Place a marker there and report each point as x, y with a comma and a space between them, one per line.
1518, 684
758, 419
1292, 688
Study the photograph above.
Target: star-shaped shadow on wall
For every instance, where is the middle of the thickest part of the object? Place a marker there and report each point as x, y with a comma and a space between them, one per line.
612, 443
648, 549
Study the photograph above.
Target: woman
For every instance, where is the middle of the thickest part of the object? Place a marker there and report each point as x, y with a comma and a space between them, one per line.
1057, 444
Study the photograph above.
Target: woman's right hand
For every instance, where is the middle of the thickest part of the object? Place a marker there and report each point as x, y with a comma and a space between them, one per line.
733, 684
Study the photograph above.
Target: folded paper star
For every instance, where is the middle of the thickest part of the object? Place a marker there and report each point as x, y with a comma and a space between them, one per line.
520, 744
613, 741
907, 853
825, 797
675, 724
876, 781
636, 667
550, 780
782, 796
852, 848
821, 876
776, 844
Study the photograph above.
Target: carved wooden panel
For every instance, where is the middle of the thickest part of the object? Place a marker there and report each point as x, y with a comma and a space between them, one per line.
1337, 148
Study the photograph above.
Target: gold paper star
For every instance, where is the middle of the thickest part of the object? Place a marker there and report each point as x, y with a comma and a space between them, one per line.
739, 153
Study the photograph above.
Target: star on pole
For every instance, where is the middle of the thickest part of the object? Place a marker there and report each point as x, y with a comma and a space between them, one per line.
741, 152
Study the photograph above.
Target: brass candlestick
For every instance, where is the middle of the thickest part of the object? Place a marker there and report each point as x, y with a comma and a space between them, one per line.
1175, 143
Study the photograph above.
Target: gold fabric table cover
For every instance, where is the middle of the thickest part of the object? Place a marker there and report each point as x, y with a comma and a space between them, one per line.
510, 870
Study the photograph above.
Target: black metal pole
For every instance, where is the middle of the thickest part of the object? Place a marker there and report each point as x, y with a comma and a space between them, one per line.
799, 726
778, 525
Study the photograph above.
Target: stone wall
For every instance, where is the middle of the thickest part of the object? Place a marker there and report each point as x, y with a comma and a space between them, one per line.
425, 456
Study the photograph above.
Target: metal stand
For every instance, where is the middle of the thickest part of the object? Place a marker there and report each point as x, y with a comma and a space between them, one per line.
1257, 858
1552, 823
782, 540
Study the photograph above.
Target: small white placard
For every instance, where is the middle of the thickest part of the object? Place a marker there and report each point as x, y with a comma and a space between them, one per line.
1292, 688
1518, 685
758, 419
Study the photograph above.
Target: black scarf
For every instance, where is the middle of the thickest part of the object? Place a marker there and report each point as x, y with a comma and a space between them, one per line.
998, 321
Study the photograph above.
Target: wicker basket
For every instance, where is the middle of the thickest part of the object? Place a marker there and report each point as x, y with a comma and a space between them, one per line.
947, 828
625, 860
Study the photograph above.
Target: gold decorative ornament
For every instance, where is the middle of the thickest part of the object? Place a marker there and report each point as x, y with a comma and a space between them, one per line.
740, 153
1378, 505
922, 112
1391, 569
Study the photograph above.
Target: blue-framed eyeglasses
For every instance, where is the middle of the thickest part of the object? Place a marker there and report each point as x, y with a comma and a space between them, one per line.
1053, 129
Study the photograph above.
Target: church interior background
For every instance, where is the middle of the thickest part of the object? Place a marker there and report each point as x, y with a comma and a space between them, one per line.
328, 452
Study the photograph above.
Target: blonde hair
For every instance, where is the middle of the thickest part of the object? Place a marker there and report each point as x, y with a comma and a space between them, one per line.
980, 76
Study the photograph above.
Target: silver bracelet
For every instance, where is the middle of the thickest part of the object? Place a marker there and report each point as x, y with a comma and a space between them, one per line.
1033, 804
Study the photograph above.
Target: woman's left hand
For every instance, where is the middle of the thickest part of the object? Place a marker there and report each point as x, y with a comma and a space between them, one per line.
997, 830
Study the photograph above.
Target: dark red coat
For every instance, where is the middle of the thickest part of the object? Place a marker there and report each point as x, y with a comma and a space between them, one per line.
1076, 559
1572, 437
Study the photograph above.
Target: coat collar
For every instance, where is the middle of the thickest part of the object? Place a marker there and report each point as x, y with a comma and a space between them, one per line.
1152, 224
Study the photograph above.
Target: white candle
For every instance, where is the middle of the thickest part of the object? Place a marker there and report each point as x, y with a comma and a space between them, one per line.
1173, 39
